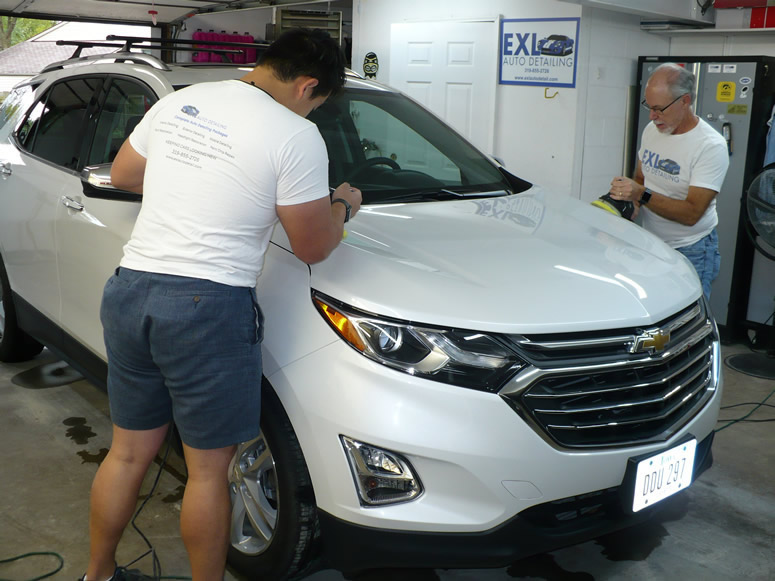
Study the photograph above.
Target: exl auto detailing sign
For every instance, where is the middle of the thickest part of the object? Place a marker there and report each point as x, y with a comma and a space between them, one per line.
539, 51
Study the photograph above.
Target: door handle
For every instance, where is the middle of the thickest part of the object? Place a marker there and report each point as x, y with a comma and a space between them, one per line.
72, 204
5, 168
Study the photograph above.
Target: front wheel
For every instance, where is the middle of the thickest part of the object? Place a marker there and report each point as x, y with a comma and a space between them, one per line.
15, 344
274, 526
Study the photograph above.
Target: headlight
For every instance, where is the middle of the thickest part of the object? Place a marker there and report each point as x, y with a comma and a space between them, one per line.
463, 358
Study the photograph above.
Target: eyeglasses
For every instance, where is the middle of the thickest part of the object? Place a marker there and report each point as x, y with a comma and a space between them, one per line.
660, 110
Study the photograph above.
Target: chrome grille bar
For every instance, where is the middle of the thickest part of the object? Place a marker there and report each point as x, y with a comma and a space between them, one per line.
662, 416
617, 388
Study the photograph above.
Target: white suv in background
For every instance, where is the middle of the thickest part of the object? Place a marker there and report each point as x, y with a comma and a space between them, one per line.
481, 371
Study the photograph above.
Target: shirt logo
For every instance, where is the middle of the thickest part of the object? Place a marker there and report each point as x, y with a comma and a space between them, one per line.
652, 341
190, 110
651, 159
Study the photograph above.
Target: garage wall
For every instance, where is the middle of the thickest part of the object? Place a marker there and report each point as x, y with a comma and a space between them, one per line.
534, 136
612, 42
568, 140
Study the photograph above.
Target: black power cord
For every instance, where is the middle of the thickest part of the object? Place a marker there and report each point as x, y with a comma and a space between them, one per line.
704, 7
157, 576
744, 418
37, 554
151, 551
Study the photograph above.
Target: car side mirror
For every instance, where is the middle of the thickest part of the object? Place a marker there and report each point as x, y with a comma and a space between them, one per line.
96, 183
98, 175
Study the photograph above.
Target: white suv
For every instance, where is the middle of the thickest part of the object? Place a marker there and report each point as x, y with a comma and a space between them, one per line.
480, 371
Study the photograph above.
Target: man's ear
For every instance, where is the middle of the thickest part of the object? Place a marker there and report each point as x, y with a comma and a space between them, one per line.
306, 85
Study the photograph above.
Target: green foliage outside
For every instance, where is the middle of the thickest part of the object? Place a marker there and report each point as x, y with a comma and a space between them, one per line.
15, 30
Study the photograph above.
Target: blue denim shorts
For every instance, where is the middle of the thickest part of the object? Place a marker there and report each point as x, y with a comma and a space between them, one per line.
183, 349
706, 259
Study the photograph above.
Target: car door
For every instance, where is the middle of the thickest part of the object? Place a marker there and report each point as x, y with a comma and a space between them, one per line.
93, 220
45, 148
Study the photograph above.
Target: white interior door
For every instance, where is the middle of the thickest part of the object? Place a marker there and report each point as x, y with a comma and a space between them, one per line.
452, 68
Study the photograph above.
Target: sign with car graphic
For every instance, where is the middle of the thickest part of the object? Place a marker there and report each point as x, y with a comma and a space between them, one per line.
538, 51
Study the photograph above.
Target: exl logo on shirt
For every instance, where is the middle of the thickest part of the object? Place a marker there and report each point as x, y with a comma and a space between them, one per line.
651, 162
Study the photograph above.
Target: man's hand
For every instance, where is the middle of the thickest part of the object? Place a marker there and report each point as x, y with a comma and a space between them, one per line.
314, 228
351, 195
623, 188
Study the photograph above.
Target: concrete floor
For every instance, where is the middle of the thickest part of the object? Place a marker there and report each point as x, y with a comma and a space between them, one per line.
56, 431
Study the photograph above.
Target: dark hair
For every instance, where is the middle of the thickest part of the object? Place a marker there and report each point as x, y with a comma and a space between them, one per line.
305, 52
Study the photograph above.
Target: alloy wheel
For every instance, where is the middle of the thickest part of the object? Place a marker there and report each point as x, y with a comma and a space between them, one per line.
254, 496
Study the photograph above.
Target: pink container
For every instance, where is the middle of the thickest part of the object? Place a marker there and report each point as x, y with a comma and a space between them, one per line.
201, 56
250, 54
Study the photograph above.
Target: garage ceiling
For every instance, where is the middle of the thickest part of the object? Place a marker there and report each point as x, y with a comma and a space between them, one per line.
127, 11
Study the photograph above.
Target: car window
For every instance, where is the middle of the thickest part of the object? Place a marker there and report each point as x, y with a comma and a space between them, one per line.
54, 127
18, 99
124, 106
388, 146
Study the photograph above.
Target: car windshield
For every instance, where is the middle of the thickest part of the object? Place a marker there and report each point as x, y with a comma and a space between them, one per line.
394, 150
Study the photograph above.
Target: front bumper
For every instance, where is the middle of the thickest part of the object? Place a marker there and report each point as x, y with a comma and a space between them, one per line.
480, 463
541, 528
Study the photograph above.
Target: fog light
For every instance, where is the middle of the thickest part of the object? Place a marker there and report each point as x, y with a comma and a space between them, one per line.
381, 476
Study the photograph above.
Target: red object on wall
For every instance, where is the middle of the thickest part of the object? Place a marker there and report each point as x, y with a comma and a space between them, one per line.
769, 20
758, 17
739, 3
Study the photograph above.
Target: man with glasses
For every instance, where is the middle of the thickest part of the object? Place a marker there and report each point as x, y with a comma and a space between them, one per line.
682, 163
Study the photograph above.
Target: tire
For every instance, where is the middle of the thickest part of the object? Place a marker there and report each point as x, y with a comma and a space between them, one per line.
274, 529
15, 344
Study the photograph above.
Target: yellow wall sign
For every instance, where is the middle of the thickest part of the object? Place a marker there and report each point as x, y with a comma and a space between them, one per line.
725, 91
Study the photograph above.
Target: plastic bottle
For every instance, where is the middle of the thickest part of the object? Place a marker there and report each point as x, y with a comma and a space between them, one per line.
250, 54
238, 58
210, 35
200, 56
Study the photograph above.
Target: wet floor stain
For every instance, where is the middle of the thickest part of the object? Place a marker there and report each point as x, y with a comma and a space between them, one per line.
176, 496
545, 567
638, 542
79, 432
46, 376
89, 458
634, 544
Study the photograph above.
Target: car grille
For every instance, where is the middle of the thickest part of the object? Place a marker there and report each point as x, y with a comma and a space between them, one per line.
630, 386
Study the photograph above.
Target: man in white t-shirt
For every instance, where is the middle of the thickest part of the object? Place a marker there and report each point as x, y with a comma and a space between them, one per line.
218, 165
682, 163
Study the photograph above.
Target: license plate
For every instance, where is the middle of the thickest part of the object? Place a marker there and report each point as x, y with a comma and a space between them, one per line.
663, 475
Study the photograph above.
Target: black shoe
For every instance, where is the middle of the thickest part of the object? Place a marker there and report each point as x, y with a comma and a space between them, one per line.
123, 574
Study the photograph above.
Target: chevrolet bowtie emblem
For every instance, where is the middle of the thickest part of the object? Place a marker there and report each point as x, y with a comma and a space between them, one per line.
653, 341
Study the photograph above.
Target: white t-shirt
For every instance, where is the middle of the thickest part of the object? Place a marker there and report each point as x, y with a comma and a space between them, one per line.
672, 163
220, 157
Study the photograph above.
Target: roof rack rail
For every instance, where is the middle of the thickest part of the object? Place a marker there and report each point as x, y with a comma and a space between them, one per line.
116, 56
181, 44
125, 44
82, 44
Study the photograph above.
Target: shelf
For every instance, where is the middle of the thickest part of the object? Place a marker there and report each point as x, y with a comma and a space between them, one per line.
328, 21
711, 31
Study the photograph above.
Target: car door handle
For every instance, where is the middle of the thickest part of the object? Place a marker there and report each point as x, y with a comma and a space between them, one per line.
5, 169
72, 204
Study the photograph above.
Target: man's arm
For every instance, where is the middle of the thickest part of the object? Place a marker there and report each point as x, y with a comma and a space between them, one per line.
315, 228
686, 212
128, 169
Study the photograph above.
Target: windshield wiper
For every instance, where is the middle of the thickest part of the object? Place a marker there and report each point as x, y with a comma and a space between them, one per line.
442, 194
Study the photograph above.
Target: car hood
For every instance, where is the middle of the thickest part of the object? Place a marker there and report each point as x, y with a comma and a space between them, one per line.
526, 263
